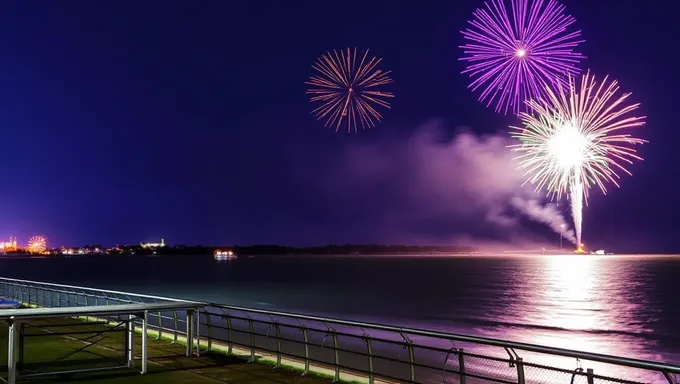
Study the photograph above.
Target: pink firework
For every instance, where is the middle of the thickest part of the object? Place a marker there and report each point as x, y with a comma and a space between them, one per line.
512, 51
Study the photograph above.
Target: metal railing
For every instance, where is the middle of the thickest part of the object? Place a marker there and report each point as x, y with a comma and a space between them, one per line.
42, 294
359, 351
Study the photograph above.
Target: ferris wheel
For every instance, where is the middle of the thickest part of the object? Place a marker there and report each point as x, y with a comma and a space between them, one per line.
37, 244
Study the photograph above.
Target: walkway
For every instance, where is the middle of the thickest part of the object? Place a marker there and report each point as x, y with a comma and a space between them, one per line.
167, 363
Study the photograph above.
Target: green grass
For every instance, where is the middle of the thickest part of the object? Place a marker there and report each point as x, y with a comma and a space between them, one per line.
221, 350
167, 363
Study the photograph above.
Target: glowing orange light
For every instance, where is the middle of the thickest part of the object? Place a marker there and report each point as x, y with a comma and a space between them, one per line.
37, 244
581, 248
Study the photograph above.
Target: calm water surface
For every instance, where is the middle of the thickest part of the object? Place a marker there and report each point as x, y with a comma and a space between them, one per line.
618, 305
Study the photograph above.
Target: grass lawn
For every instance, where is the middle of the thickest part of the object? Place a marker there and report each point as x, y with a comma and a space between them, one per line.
45, 352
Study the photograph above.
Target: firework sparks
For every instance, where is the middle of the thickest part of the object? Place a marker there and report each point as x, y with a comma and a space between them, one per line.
348, 86
510, 55
572, 140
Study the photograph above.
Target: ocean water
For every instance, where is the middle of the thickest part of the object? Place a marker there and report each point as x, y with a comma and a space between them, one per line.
618, 305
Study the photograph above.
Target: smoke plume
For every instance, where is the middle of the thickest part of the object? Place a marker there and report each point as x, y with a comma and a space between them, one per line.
437, 187
546, 214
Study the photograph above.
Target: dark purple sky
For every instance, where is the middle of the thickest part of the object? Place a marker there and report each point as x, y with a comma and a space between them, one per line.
128, 121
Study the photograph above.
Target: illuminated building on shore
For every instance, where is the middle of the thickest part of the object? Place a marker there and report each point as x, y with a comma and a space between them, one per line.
154, 245
10, 245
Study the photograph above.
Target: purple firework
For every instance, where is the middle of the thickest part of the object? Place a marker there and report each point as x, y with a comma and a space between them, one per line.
512, 52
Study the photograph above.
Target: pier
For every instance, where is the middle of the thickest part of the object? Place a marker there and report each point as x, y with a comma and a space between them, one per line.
93, 335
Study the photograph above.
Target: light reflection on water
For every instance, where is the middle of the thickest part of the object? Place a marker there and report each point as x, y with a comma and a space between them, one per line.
581, 303
621, 306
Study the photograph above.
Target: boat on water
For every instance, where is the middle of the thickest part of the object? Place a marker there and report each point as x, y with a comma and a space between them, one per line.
225, 255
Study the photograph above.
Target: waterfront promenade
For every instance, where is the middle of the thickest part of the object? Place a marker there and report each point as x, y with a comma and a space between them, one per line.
178, 341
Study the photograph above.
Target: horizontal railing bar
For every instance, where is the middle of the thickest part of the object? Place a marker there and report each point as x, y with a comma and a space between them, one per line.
351, 351
98, 331
452, 371
319, 330
96, 289
375, 355
330, 348
633, 363
122, 309
322, 362
28, 325
350, 335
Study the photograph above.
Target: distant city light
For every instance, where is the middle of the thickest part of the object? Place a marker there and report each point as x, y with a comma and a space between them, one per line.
153, 245
10, 245
37, 244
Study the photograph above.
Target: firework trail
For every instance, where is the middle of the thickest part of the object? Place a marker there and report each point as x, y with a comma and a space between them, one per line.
512, 52
348, 86
572, 140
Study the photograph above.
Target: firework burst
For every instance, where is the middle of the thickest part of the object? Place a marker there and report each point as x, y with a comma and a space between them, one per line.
511, 53
573, 140
349, 87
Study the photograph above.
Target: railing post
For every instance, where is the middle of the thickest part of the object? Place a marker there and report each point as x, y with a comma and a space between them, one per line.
369, 352
305, 337
251, 328
590, 375
176, 327
160, 325
278, 345
130, 327
520, 371
190, 332
208, 323
12, 340
145, 322
198, 332
230, 344
461, 365
408, 344
336, 355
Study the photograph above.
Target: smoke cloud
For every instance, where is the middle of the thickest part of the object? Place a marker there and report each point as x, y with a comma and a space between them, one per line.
434, 187
546, 214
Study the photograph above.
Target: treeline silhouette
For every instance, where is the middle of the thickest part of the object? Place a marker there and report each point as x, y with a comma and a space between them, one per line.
348, 249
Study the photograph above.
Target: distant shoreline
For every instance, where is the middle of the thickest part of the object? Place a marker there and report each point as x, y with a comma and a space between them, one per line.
480, 254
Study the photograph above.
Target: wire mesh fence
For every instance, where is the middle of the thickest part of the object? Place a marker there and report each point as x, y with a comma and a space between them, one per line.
356, 351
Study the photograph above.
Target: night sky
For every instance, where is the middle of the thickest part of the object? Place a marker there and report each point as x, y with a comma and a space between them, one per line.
131, 121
